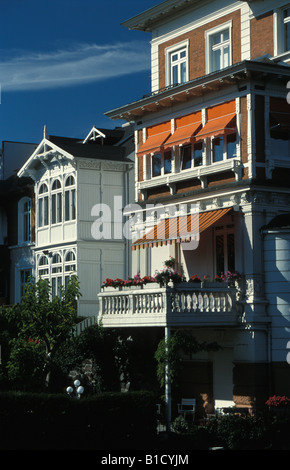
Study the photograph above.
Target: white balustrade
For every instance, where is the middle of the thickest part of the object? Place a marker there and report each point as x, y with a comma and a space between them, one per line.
186, 303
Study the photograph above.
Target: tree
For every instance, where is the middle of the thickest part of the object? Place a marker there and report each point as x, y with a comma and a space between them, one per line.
168, 353
46, 320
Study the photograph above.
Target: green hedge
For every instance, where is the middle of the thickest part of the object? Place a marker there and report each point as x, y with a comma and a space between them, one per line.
106, 421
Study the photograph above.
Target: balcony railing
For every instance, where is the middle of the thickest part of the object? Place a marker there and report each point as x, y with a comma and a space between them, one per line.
185, 304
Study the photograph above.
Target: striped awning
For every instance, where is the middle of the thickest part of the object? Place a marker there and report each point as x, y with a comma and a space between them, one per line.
181, 229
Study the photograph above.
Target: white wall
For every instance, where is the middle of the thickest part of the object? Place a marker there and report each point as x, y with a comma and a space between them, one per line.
277, 289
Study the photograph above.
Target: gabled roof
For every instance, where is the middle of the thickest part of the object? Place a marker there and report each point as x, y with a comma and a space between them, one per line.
108, 148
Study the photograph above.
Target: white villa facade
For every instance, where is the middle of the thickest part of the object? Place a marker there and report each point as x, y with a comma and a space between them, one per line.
71, 177
214, 135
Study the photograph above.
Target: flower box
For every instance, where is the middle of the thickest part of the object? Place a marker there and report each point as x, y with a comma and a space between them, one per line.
151, 285
213, 285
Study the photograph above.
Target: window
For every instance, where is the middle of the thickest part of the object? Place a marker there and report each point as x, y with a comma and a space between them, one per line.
56, 202
43, 205
177, 63
185, 154
161, 163
224, 147
217, 149
70, 198
286, 24
25, 276
191, 155
167, 163
178, 67
43, 266
225, 249
156, 164
24, 220
56, 274
218, 48
197, 153
280, 144
69, 266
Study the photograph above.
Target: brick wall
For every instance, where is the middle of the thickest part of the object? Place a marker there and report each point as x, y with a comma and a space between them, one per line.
262, 34
197, 47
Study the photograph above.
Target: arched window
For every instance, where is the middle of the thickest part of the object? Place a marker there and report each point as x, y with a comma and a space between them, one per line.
69, 266
70, 198
56, 202
43, 266
24, 220
43, 205
56, 274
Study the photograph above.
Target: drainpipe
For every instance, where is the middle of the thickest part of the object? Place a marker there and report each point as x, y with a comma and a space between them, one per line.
167, 386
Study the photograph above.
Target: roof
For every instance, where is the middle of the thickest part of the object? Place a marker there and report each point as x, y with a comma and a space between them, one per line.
108, 145
242, 71
95, 150
146, 20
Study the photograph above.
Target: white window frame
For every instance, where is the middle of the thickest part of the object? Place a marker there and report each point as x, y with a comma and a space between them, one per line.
169, 51
70, 265
56, 203
24, 221
42, 209
162, 172
70, 210
208, 35
192, 153
225, 153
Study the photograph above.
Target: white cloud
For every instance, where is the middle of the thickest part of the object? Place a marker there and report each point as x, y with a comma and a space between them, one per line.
83, 63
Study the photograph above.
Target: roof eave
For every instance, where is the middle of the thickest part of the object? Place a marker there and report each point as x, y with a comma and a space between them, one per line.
147, 20
240, 71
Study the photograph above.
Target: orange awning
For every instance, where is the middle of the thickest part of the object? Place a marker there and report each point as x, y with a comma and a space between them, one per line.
183, 135
153, 143
219, 126
179, 229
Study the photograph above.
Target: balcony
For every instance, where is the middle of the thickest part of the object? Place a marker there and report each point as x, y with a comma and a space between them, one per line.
199, 172
184, 304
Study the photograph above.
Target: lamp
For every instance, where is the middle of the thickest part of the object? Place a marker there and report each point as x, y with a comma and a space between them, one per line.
77, 391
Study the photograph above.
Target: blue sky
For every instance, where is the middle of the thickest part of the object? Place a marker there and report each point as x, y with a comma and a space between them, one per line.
64, 63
